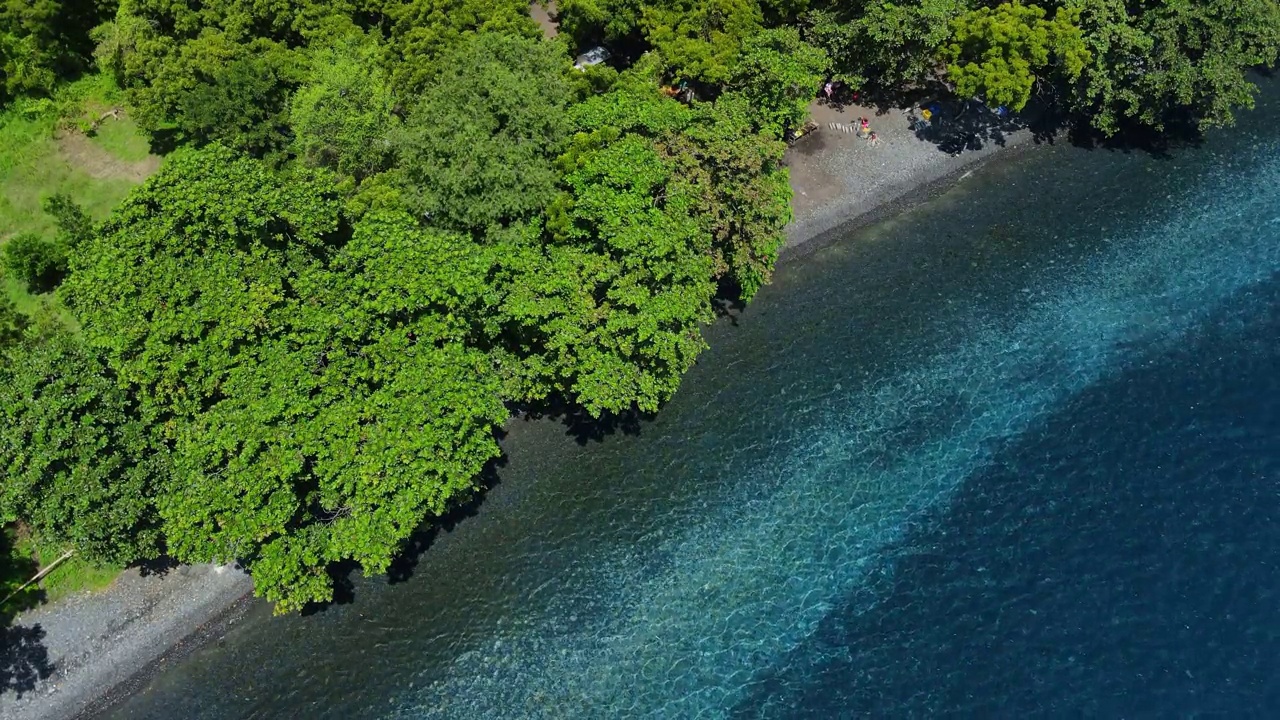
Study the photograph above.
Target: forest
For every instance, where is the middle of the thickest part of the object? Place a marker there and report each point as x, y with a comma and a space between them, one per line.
383, 228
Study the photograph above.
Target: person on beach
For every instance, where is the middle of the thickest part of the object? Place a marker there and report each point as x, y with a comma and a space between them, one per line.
826, 89
864, 128
873, 140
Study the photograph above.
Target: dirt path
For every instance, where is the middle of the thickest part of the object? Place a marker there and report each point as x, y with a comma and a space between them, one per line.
81, 153
542, 16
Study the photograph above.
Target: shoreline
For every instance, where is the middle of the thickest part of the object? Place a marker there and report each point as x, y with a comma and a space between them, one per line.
853, 216
107, 646
98, 642
207, 633
840, 184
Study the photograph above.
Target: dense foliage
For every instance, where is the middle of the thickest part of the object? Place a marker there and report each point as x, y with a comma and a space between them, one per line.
478, 148
1000, 53
1157, 62
391, 223
42, 40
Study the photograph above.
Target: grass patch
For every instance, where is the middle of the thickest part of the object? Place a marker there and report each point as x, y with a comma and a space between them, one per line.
32, 166
122, 138
22, 556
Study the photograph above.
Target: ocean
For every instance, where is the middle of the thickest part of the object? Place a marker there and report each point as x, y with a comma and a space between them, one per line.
1012, 453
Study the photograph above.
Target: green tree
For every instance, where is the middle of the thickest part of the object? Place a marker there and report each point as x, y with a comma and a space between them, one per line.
26, 68
423, 32
315, 389
700, 39
42, 40
342, 116
74, 225
1167, 61
744, 196
234, 94
79, 467
479, 146
779, 74
12, 323
222, 70
883, 43
591, 21
615, 297
1000, 53
659, 200
38, 262
736, 172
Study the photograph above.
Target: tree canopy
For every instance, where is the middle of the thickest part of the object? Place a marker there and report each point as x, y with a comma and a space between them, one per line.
1000, 52
343, 116
43, 40
478, 148
388, 225
1170, 61
317, 406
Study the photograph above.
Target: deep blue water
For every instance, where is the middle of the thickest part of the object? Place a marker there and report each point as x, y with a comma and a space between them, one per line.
1014, 453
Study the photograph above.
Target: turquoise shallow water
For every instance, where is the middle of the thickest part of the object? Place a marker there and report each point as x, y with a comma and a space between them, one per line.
1014, 452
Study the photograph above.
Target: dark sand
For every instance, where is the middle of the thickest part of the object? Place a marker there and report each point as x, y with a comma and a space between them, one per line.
839, 179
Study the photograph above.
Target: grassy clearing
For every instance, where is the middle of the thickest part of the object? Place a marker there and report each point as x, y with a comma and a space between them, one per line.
22, 556
33, 166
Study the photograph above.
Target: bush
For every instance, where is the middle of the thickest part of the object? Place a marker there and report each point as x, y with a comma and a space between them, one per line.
38, 262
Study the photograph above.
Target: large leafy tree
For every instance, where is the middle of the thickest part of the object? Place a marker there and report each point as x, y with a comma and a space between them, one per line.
1001, 52
317, 392
423, 32
779, 74
42, 40
881, 43
735, 170
697, 39
478, 149
12, 323
222, 70
591, 21
1172, 60
617, 293
38, 262
700, 39
659, 200
744, 197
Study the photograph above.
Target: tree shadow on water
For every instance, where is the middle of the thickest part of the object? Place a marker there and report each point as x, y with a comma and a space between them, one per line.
403, 566
581, 425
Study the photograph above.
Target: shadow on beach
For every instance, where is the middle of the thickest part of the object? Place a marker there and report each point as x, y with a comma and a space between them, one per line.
24, 659
955, 125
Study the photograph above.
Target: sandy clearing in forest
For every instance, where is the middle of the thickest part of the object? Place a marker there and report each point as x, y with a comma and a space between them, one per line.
81, 153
